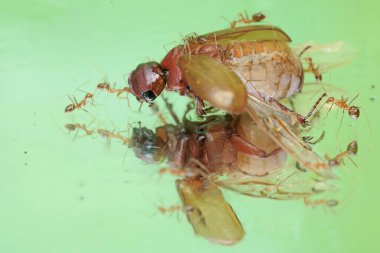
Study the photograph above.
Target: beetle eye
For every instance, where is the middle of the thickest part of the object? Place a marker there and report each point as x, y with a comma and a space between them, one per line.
149, 96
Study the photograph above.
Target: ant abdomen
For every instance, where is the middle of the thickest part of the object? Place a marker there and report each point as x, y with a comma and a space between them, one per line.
354, 112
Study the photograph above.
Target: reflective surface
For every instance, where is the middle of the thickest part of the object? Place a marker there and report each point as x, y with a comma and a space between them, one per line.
60, 195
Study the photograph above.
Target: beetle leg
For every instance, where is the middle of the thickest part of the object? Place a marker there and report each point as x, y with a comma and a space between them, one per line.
200, 106
291, 102
169, 107
248, 148
198, 168
155, 109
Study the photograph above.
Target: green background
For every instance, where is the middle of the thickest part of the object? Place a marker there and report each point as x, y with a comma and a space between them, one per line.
86, 196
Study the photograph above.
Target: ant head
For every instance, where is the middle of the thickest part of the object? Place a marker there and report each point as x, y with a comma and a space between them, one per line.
147, 81
354, 112
70, 108
352, 148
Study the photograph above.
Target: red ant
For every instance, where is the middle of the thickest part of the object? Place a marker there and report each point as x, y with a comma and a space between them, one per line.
108, 134
243, 18
352, 110
107, 87
75, 105
77, 126
72, 127
321, 202
352, 149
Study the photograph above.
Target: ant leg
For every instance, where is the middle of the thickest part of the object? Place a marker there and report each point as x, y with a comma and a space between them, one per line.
304, 50
308, 139
203, 171
340, 124
171, 209
301, 119
79, 105
327, 114
243, 18
73, 100
155, 109
240, 18
141, 104
169, 106
313, 69
291, 102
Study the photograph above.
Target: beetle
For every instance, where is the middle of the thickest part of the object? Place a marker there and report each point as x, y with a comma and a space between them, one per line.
222, 67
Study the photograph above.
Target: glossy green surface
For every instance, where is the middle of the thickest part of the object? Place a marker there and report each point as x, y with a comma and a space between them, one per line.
84, 196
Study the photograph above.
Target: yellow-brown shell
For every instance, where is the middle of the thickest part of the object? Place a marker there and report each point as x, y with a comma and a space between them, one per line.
268, 67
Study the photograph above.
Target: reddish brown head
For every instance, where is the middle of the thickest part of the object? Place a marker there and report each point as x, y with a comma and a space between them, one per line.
147, 81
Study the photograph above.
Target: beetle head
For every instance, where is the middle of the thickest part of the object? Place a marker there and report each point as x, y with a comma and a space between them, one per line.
147, 145
147, 81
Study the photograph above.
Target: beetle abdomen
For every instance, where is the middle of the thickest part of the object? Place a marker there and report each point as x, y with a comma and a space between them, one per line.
268, 67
